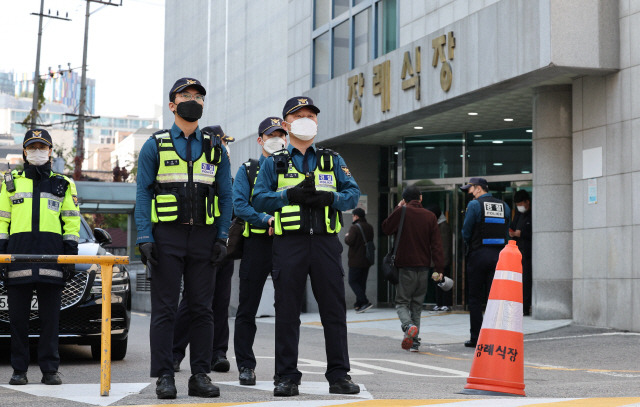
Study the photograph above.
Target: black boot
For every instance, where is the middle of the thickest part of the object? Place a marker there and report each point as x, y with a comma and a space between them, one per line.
19, 378
344, 385
166, 387
200, 386
285, 388
247, 376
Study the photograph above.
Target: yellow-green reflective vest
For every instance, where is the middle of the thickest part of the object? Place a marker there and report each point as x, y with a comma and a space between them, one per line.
301, 219
38, 216
252, 167
185, 191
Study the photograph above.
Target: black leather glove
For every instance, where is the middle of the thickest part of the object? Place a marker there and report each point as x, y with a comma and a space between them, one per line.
148, 253
319, 199
298, 194
219, 252
68, 271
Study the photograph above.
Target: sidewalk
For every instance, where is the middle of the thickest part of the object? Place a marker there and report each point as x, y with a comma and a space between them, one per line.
437, 328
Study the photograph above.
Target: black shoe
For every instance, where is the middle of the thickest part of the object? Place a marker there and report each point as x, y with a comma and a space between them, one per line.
200, 386
166, 387
344, 385
51, 379
247, 376
363, 308
19, 378
285, 388
176, 365
221, 364
471, 343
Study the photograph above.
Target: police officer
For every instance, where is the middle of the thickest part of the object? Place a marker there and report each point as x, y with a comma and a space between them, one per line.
39, 214
307, 187
256, 255
221, 299
485, 230
184, 191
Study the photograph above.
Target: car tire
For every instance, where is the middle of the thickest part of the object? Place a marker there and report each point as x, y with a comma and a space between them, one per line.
118, 349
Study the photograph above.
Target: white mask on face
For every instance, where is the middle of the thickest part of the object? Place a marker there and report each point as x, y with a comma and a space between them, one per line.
304, 129
274, 144
521, 208
37, 157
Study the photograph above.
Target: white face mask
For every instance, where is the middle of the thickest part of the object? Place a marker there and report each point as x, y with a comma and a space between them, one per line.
521, 209
37, 157
274, 144
305, 129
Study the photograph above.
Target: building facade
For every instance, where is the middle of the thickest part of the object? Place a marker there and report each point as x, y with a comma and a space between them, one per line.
539, 95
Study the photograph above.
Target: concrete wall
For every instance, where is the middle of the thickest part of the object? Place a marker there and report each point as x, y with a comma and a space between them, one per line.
606, 235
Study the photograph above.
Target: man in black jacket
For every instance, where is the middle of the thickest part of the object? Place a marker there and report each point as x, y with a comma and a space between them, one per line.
358, 263
521, 229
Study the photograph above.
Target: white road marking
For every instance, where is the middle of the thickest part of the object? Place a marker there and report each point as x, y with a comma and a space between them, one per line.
82, 393
583, 336
315, 388
452, 372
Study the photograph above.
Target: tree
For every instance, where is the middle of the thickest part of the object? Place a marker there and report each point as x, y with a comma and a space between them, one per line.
41, 101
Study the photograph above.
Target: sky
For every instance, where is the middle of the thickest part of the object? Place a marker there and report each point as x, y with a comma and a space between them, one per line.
125, 48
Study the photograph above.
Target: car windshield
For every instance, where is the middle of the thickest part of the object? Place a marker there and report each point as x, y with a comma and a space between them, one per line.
85, 232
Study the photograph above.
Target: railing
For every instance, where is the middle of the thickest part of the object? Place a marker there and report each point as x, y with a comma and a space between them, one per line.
106, 265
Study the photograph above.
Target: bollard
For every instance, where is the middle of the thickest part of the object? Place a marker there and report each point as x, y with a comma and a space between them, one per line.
106, 264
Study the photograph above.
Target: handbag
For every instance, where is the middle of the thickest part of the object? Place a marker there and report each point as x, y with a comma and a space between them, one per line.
389, 269
235, 242
369, 247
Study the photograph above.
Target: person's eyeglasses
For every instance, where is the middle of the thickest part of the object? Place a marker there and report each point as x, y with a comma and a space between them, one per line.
189, 96
34, 147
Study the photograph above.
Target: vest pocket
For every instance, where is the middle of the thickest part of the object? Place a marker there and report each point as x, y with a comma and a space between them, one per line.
288, 219
164, 208
211, 205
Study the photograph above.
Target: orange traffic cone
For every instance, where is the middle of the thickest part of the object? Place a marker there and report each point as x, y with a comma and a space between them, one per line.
498, 367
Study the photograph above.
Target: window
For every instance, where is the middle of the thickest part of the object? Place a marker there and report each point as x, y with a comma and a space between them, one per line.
350, 33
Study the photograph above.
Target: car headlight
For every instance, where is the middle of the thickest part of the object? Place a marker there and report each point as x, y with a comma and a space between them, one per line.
119, 281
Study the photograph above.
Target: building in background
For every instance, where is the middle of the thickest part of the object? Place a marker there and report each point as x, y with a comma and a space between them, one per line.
7, 83
540, 95
60, 88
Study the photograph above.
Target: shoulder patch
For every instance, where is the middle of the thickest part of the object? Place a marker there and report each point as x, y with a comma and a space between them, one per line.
346, 171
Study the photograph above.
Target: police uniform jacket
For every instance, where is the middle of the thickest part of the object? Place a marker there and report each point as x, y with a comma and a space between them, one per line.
148, 165
41, 216
242, 199
473, 219
267, 199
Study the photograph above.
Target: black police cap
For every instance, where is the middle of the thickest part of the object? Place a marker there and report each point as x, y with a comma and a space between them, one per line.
296, 103
218, 132
37, 135
475, 181
269, 125
184, 83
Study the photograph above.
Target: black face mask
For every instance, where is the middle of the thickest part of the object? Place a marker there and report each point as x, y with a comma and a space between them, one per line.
191, 111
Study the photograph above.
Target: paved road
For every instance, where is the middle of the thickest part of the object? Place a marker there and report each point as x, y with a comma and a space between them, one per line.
560, 365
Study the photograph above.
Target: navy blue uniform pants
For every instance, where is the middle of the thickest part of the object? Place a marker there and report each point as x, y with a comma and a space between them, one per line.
220, 308
255, 267
481, 265
183, 251
49, 298
358, 283
294, 258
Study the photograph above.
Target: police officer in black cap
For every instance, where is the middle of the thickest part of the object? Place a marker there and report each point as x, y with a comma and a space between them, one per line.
183, 213
485, 232
221, 298
39, 214
307, 188
256, 263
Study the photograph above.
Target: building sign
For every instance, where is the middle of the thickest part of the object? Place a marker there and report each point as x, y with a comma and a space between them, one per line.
443, 52
438, 44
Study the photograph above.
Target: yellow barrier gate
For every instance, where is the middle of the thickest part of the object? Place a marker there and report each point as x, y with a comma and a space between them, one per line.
106, 266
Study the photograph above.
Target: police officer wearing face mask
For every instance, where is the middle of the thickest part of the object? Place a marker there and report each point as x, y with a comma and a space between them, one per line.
521, 230
221, 298
485, 232
307, 188
183, 213
39, 214
256, 255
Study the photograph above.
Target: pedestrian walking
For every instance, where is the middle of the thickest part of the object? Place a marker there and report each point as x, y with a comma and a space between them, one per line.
485, 232
183, 213
307, 188
39, 214
359, 234
419, 245
522, 230
256, 263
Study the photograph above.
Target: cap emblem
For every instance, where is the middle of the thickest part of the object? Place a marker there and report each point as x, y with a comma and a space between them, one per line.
191, 82
275, 122
37, 133
302, 101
